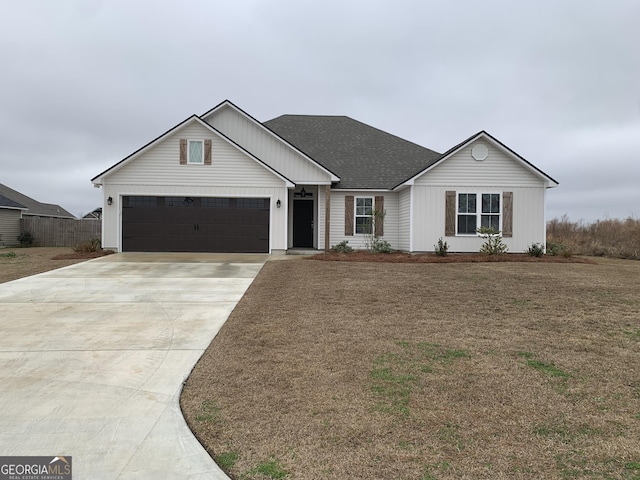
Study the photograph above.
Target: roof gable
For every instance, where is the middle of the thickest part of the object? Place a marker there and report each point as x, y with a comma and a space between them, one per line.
549, 181
31, 206
363, 156
210, 115
97, 180
8, 203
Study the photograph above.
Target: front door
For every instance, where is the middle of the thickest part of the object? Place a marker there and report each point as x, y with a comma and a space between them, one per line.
303, 223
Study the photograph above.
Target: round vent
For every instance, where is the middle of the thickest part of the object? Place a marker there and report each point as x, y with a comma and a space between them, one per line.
479, 152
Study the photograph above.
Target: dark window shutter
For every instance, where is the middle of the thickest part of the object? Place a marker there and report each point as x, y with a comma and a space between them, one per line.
379, 225
348, 215
507, 214
183, 151
207, 152
450, 214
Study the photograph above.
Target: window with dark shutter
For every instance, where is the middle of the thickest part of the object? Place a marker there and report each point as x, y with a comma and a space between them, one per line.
207, 152
507, 214
379, 218
450, 214
183, 151
348, 215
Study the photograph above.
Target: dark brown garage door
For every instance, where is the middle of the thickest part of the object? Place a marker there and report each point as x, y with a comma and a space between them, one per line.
191, 224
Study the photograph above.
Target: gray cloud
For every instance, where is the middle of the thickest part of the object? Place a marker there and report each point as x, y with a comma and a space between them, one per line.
86, 82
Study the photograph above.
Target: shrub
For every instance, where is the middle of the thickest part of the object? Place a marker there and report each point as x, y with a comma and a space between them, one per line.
93, 245
381, 246
342, 247
371, 240
536, 250
441, 248
25, 239
493, 244
558, 249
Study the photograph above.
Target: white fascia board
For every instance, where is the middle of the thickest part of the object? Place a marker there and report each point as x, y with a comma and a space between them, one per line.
194, 118
548, 181
227, 103
97, 180
288, 183
365, 190
24, 209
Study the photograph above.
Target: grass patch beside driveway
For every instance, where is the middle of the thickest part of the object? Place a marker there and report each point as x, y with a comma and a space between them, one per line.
413, 371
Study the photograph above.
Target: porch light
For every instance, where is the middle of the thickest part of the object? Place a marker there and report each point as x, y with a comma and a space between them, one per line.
109, 201
278, 203
302, 192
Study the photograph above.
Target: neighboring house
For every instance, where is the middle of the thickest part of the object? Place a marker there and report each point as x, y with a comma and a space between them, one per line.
95, 215
14, 206
10, 215
225, 182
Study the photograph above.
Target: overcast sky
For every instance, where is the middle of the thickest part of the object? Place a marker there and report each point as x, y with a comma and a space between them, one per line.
84, 83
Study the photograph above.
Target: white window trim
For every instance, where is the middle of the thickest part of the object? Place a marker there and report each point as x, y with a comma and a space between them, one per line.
193, 140
478, 214
355, 215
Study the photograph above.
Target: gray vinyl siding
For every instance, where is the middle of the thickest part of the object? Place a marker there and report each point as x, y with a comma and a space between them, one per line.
268, 147
429, 218
498, 173
497, 169
404, 219
160, 165
9, 227
358, 241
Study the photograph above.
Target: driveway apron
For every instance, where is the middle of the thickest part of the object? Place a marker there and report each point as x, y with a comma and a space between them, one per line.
93, 358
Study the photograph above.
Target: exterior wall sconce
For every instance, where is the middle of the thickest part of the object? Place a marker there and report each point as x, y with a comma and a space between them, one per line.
303, 193
278, 203
109, 201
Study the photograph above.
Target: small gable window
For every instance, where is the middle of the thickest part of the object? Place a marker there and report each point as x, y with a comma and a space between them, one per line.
195, 152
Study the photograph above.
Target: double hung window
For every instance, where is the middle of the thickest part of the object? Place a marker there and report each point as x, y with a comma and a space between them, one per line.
490, 216
472, 214
364, 215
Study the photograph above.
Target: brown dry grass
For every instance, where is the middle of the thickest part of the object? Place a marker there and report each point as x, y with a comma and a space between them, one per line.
343, 370
604, 238
30, 261
402, 257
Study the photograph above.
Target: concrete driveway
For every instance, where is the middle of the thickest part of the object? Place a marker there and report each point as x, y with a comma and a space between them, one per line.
93, 357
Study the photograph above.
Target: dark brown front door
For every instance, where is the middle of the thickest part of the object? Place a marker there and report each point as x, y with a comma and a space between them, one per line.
303, 223
193, 224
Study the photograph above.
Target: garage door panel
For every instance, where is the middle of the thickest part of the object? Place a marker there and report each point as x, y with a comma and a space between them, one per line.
185, 224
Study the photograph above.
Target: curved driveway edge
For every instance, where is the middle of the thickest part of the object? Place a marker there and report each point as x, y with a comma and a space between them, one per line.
93, 357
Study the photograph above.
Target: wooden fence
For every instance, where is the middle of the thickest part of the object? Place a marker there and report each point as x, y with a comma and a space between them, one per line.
61, 232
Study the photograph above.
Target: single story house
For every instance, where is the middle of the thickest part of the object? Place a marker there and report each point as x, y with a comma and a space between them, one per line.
226, 182
14, 206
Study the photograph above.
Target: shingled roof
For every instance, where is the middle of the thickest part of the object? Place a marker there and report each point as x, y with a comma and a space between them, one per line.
35, 207
361, 155
8, 203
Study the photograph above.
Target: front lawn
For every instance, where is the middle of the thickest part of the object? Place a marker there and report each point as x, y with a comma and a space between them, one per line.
346, 370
